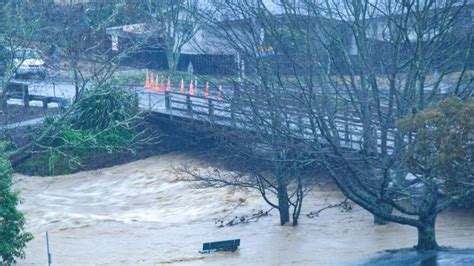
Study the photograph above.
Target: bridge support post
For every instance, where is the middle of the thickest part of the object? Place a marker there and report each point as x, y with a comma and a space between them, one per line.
26, 100
167, 100
189, 105
45, 103
211, 110
232, 112
149, 101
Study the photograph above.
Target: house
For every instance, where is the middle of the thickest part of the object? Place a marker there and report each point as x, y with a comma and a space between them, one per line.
209, 53
451, 48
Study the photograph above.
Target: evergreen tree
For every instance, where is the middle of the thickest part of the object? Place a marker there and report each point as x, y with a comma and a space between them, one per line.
13, 238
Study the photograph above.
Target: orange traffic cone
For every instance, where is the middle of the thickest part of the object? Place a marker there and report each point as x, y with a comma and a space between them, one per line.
219, 93
191, 88
168, 85
157, 84
162, 89
147, 81
195, 86
206, 93
182, 86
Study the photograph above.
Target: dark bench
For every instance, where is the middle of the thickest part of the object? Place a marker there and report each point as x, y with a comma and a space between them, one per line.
228, 245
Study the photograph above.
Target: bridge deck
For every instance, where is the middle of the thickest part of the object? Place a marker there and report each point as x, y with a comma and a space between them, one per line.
223, 112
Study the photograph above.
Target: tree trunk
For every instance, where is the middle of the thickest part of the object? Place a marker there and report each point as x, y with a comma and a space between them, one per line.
426, 234
386, 208
379, 220
295, 220
173, 59
283, 205
298, 203
76, 85
3, 96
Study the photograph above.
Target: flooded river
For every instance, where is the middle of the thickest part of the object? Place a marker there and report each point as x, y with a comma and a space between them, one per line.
140, 213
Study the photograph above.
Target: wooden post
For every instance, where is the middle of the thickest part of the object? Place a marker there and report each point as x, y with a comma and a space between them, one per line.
26, 100
149, 101
47, 250
26, 95
167, 100
45, 103
232, 112
235, 100
189, 105
211, 110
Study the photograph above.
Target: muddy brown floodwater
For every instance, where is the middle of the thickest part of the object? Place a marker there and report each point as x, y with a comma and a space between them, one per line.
140, 213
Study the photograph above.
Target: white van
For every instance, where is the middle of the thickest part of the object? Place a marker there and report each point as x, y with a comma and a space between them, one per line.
29, 62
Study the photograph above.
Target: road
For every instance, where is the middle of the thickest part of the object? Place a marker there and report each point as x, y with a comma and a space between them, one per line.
65, 89
49, 87
25, 123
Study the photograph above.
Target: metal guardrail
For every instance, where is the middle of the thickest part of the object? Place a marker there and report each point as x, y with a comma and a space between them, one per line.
20, 91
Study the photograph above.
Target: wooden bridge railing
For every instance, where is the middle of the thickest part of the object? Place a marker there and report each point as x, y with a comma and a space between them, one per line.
235, 112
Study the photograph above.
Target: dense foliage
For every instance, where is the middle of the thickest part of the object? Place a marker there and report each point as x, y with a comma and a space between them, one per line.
13, 238
105, 120
103, 107
442, 149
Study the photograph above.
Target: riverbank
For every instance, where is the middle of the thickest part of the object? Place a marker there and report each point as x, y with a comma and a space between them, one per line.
141, 213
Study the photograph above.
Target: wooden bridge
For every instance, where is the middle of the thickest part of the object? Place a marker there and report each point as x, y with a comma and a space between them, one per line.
232, 111
235, 112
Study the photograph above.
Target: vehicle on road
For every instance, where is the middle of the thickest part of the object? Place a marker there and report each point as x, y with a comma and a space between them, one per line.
25, 62
29, 62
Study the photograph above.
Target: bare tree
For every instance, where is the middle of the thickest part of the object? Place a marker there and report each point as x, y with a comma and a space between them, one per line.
271, 166
340, 74
81, 38
412, 38
19, 23
79, 34
174, 24
269, 160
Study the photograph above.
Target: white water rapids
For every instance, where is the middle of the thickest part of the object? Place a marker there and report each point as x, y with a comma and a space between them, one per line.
141, 214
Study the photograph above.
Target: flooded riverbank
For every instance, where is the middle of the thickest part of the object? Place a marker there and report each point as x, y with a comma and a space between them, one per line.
445, 256
140, 213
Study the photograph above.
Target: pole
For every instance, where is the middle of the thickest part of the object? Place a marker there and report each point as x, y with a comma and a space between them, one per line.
149, 101
47, 248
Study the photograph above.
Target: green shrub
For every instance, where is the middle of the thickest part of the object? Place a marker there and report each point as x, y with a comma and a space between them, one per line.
105, 120
103, 107
443, 147
13, 238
